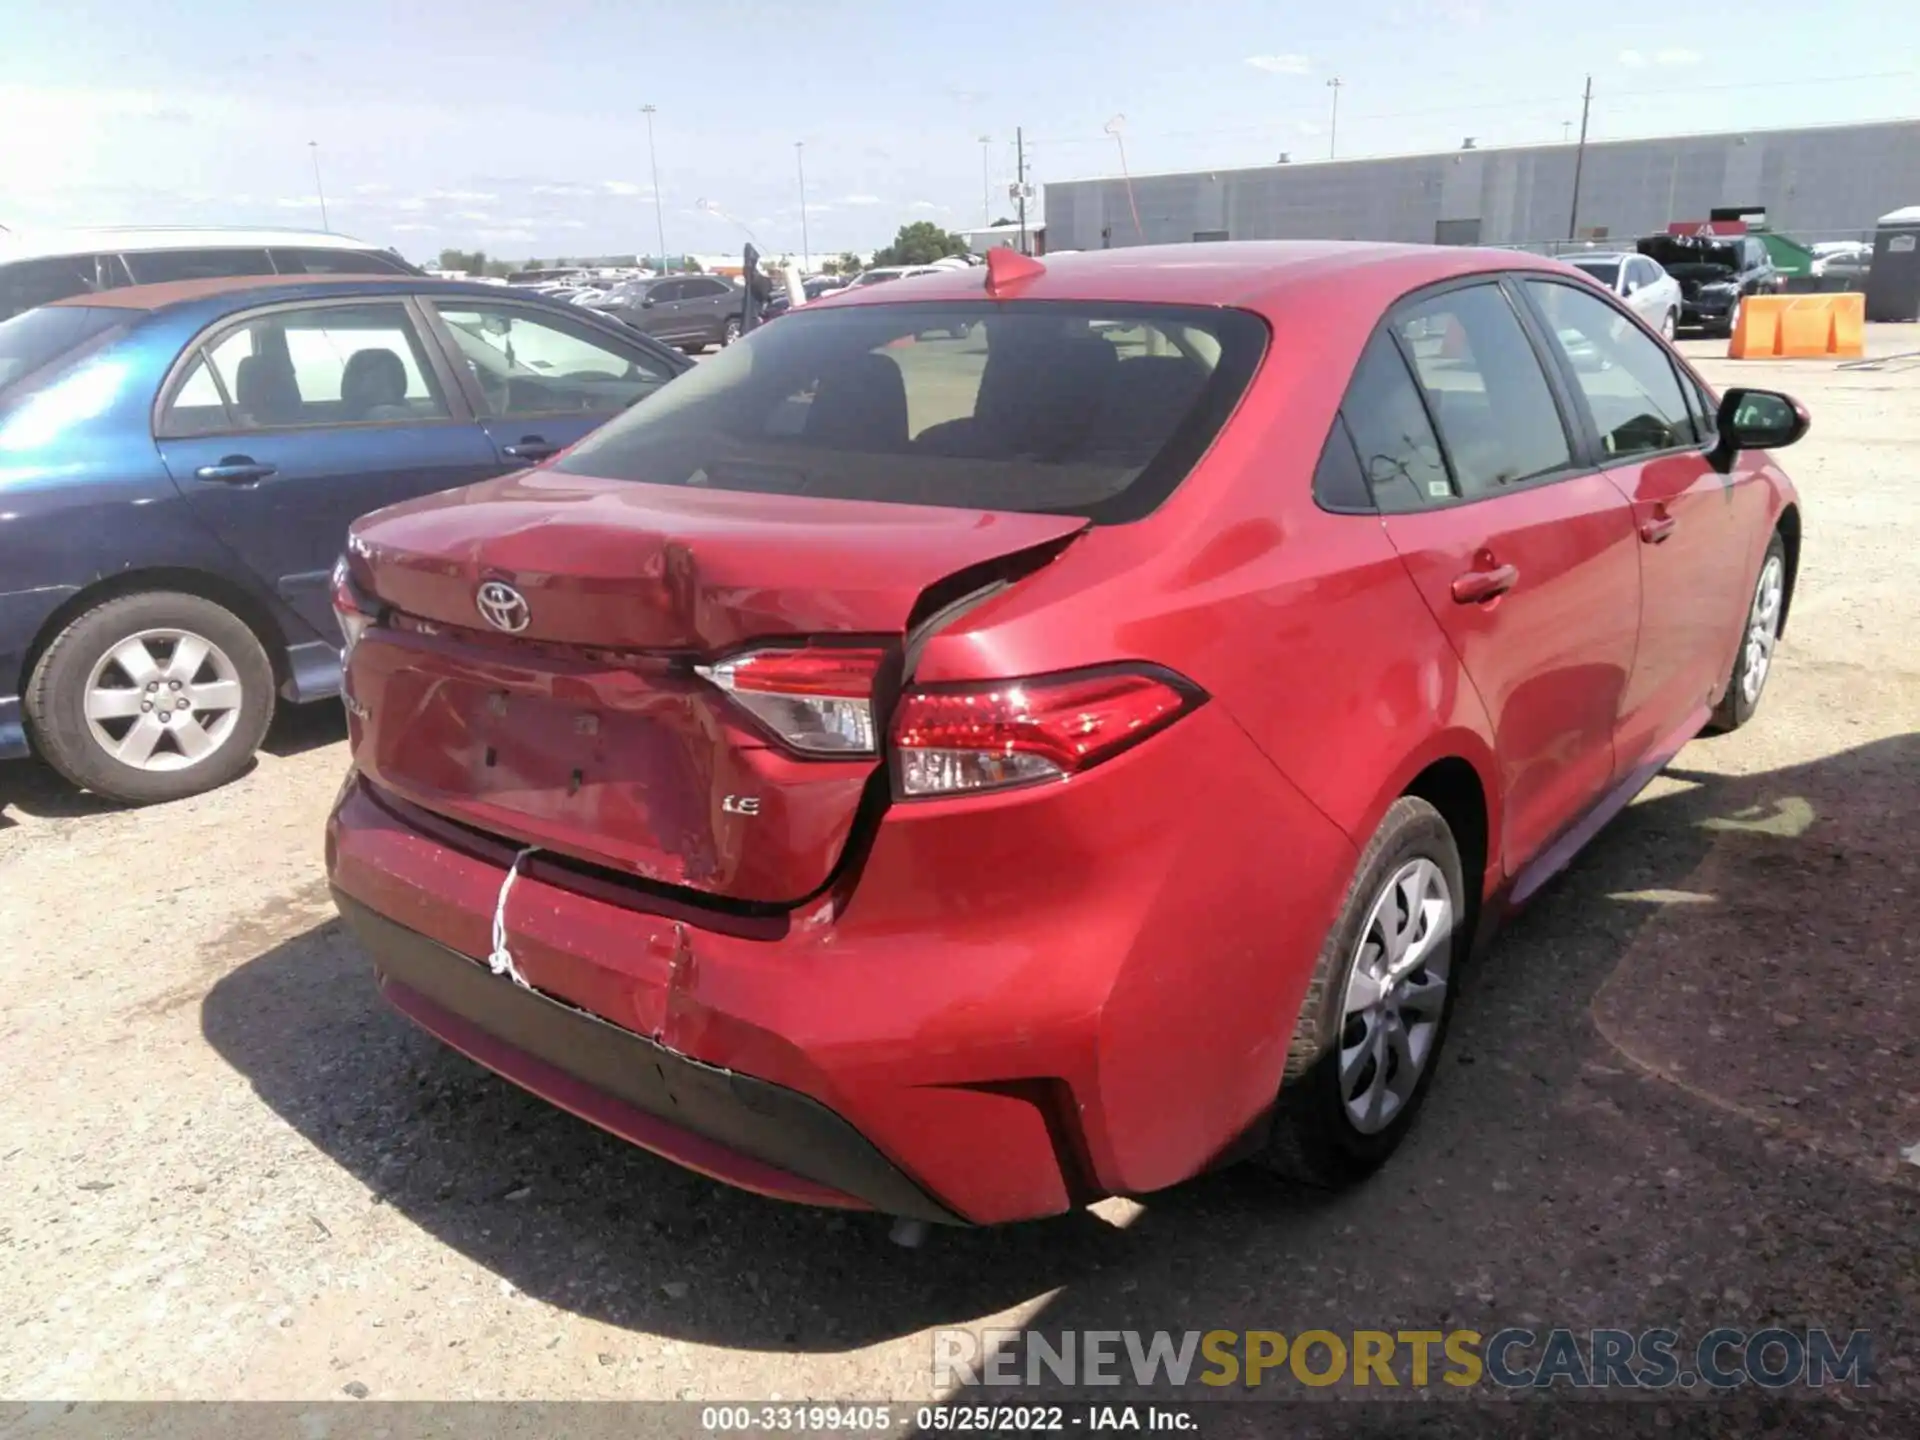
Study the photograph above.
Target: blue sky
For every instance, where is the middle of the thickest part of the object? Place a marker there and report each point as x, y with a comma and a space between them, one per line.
516, 127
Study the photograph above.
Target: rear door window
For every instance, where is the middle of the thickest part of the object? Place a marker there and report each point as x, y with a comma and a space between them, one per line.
337, 262
153, 267
1064, 408
329, 365
1485, 388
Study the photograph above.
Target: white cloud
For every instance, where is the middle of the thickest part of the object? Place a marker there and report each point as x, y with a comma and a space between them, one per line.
298, 202
497, 235
622, 187
414, 227
371, 189
925, 205
476, 217
573, 191
1676, 57
412, 202
569, 224
480, 195
1633, 59
860, 200
1307, 127
1283, 64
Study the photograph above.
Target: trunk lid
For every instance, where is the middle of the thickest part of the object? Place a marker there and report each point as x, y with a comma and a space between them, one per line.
582, 726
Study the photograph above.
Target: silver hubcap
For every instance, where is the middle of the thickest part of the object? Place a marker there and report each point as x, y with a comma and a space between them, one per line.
1396, 993
1763, 628
1666, 325
163, 700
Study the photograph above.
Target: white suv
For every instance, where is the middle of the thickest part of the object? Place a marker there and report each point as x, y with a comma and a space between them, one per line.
37, 269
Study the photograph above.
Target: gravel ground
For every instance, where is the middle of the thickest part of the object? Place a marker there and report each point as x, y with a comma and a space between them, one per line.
1678, 1093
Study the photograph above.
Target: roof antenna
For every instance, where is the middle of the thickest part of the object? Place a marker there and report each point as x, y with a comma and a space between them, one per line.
1007, 267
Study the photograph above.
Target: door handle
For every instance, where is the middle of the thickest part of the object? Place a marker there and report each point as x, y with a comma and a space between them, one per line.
530, 447
1657, 529
235, 470
1478, 586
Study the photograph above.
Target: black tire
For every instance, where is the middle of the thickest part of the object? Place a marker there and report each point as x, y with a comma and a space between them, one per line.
1742, 700
1313, 1138
56, 698
729, 331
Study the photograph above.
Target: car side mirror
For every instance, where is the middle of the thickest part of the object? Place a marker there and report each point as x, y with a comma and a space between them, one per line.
1758, 420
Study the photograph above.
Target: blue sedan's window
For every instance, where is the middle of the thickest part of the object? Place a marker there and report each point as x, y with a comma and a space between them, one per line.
36, 339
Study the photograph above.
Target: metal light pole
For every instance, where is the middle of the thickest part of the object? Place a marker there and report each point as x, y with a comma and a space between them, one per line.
1333, 123
800, 160
986, 180
314, 147
659, 216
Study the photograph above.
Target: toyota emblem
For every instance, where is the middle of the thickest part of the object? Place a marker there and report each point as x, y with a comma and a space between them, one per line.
503, 607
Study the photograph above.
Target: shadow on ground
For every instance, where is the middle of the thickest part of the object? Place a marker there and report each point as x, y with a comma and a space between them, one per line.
1555, 1179
32, 788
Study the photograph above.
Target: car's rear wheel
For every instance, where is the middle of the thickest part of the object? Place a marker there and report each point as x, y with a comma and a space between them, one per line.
1376, 1012
1669, 325
151, 697
730, 331
1759, 636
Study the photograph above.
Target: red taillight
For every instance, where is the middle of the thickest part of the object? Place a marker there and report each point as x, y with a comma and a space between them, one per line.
353, 610
817, 699
961, 739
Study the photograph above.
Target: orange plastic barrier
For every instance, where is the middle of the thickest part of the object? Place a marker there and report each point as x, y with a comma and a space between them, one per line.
1798, 327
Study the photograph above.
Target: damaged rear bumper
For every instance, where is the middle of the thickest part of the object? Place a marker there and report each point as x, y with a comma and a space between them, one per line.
732, 1127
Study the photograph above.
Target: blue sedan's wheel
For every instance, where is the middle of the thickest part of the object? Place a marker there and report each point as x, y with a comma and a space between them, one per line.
151, 697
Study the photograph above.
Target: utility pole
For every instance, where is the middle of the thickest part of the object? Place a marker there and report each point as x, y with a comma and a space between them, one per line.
314, 147
986, 180
800, 159
1020, 182
1333, 123
659, 216
1579, 162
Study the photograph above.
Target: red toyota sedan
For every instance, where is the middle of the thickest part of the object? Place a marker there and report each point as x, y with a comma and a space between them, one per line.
963, 778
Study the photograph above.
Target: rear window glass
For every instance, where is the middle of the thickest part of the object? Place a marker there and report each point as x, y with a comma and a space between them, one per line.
38, 338
1076, 409
1607, 272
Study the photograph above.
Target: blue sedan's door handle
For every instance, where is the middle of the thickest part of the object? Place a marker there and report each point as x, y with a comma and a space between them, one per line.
235, 470
531, 447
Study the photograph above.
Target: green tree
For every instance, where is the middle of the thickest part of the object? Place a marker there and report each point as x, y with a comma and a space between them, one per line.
847, 264
920, 243
473, 262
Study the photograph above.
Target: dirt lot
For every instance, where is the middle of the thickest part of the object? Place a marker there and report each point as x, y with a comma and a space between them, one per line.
1679, 1093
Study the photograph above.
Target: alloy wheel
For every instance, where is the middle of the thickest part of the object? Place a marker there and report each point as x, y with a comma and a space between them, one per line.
1763, 628
1395, 995
162, 700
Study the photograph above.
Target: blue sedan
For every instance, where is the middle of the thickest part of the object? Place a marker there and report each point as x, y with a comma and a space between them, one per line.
178, 467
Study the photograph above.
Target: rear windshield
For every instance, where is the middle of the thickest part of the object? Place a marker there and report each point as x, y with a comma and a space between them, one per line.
1607, 272
36, 339
1078, 409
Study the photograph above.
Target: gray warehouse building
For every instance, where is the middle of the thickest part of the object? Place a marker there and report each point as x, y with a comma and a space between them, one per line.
1823, 182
